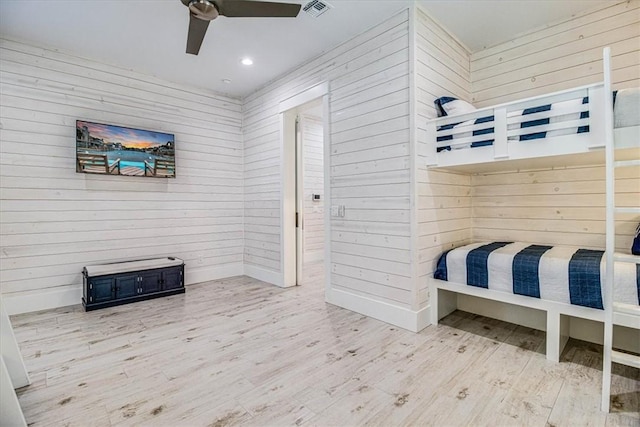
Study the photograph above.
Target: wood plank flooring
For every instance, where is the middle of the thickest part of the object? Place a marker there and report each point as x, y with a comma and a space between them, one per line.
242, 352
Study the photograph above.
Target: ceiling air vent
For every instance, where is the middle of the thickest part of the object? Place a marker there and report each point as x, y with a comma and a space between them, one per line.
316, 8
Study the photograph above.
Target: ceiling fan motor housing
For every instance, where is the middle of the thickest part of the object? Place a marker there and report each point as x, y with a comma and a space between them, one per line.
201, 12
204, 9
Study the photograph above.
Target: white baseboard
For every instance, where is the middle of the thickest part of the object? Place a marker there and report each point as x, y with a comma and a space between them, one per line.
45, 299
402, 317
194, 275
26, 302
313, 256
9, 404
11, 356
269, 276
423, 318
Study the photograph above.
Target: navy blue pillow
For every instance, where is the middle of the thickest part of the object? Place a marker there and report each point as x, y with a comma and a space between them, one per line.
440, 102
449, 106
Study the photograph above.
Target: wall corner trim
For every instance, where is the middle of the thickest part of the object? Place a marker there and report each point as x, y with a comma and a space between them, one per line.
428, 14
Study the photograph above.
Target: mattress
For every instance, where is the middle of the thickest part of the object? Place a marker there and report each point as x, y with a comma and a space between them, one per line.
555, 273
124, 267
626, 108
626, 113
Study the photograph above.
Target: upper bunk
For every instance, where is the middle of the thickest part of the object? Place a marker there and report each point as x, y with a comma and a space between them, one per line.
567, 128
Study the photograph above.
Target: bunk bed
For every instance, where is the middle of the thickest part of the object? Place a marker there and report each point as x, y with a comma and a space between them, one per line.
560, 129
572, 127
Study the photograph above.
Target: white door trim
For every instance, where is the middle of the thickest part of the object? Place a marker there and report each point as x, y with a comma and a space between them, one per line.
307, 95
326, 165
287, 110
300, 136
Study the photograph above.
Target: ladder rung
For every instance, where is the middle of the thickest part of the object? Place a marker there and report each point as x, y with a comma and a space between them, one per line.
628, 210
620, 307
633, 259
625, 358
626, 163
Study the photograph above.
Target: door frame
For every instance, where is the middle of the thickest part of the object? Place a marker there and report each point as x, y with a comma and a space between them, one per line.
299, 189
287, 114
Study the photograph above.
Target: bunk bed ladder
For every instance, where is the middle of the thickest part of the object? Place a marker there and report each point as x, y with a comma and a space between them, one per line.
610, 307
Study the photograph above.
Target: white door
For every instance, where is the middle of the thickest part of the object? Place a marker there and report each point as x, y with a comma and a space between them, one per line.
299, 200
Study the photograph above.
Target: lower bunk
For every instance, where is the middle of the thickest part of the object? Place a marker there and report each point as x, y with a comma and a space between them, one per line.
561, 281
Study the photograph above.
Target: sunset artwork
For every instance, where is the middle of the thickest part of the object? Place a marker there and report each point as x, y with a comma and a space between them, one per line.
117, 150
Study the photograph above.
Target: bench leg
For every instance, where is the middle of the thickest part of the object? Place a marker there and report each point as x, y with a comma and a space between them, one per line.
443, 303
557, 334
433, 297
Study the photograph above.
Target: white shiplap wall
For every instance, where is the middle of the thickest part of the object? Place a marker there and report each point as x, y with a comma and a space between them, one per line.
369, 165
561, 56
559, 206
313, 183
54, 221
443, 198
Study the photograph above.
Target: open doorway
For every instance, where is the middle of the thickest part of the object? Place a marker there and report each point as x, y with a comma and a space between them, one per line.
310, 194
305, 221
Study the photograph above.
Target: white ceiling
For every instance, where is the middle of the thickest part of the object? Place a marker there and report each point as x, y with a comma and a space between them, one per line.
150, 35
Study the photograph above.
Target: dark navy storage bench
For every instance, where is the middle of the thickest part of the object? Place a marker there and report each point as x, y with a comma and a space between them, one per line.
118, 283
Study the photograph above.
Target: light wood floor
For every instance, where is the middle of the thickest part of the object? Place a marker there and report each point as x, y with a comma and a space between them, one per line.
242, 352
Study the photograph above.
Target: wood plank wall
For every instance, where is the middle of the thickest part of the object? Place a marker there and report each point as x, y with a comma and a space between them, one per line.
370, 174
560, 56
313, 153
54, 221
444, 198
563, 205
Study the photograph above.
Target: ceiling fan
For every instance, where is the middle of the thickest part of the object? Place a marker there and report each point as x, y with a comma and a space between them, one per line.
201, 12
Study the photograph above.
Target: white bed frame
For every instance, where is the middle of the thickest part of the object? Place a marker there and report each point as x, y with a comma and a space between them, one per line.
557, 314
567, 150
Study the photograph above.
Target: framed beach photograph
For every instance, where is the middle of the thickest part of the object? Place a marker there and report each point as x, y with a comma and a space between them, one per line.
117, 150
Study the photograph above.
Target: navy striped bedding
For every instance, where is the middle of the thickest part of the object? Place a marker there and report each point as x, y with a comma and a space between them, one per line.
555, 273
474, 133
523, 125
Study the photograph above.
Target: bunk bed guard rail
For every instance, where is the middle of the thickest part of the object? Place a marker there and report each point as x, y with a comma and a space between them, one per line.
566, 122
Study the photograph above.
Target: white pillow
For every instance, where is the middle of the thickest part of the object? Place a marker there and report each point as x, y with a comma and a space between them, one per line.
627, 108
449, 106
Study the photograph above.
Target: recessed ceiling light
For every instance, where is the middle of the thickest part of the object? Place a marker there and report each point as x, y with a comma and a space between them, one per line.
247, 61
226, 81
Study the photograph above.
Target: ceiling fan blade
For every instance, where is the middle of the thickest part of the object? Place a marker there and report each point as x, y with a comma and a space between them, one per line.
257, 9
197, 30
